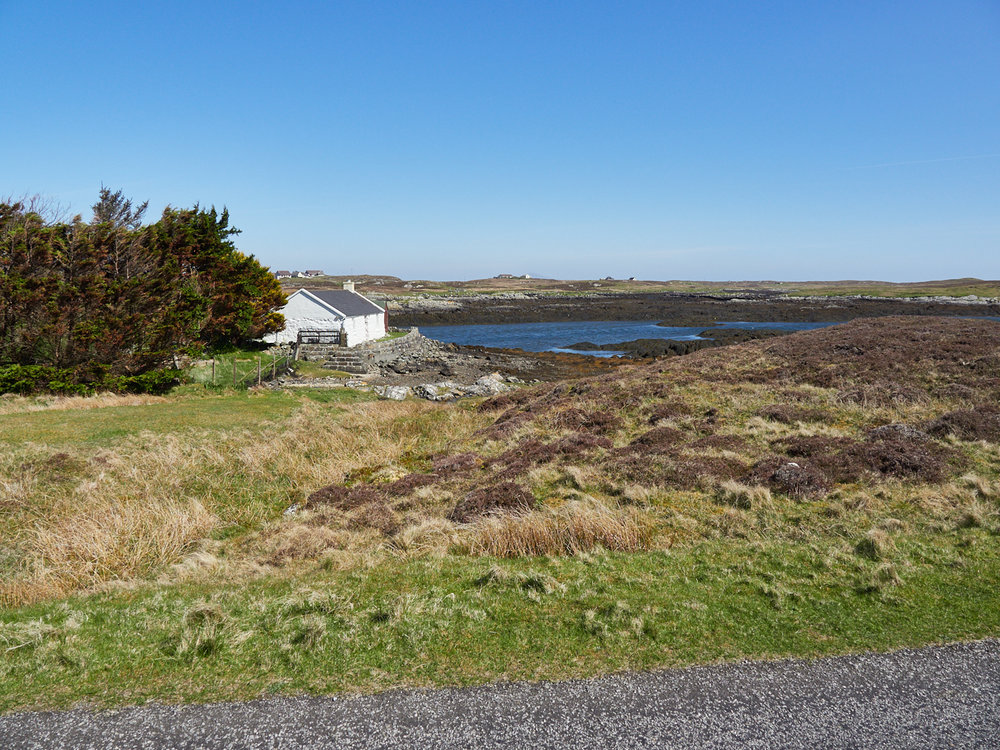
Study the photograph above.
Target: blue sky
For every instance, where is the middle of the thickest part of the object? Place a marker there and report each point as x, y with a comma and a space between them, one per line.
697, 140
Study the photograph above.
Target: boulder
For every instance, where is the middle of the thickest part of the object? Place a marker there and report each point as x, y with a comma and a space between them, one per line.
394, 392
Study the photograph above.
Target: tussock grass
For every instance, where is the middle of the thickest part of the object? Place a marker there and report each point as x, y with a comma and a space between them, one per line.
433, 537
128, 510
574, 527
744, 497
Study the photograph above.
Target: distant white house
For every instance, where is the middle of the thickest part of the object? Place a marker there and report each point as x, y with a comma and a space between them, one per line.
331, 310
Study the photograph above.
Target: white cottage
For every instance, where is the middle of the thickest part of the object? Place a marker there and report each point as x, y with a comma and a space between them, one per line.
332, 310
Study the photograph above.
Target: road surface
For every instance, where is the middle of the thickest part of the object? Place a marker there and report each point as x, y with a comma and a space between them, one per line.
939, 697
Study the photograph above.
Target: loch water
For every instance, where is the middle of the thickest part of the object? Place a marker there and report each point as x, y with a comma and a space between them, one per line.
560, 336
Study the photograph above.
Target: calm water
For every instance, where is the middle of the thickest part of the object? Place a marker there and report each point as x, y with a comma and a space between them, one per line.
557, 337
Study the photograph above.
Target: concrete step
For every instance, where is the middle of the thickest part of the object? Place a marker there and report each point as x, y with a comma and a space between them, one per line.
351, 363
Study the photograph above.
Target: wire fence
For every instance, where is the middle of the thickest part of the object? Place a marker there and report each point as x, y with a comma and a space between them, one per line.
237, 372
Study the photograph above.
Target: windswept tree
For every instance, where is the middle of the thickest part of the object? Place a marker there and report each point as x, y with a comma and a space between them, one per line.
117, 210
116, 296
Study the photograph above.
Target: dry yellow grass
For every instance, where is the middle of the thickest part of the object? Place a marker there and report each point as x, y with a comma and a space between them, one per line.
10, 404
113, 540
574, 527
132, 509
744, 497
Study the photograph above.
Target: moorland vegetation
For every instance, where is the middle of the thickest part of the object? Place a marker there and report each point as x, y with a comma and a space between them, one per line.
829, 491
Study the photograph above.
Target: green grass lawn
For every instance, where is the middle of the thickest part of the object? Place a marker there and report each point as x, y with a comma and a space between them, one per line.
102, 426
462, 621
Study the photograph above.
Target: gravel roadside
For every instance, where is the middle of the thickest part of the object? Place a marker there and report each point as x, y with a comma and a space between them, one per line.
937, 697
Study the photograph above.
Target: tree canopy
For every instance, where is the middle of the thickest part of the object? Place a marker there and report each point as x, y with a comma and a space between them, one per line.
116, 296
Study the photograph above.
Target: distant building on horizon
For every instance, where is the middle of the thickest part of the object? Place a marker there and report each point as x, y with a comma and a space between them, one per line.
298, 274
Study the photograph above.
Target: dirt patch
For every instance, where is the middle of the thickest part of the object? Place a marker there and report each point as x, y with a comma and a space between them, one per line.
498, 498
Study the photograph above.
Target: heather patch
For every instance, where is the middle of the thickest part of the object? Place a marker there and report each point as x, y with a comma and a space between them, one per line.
597, 422
497, 498
658, 440
980, 423
797, 479
669, 410
446, 464
790, 414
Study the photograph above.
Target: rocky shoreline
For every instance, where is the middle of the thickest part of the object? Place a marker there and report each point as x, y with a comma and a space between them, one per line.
438, 371
671, 308
711, 337
418, 366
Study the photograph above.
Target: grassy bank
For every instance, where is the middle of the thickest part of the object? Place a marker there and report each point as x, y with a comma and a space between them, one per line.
460, 621
829, 491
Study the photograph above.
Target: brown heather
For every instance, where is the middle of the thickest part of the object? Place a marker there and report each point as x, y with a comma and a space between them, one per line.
852, 434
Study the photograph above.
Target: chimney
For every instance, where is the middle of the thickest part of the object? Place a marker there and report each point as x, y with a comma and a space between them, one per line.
349, 286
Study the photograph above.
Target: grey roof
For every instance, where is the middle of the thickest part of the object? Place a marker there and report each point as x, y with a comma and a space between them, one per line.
349, 303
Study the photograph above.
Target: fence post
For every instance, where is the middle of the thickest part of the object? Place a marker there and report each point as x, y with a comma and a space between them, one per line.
234, 372
213, 370
258, 370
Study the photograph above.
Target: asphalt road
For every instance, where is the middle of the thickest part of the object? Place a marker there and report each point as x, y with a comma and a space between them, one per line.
941, 697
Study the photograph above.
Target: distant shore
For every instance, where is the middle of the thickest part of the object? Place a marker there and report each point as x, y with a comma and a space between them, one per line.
671, 308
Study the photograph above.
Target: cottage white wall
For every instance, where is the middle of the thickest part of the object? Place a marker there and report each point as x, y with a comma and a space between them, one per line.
361, 328
302, 312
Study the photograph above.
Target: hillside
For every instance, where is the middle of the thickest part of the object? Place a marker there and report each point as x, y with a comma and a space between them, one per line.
824, 492
874, 404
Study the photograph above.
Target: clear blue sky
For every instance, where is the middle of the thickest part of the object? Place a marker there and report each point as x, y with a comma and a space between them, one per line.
699, 140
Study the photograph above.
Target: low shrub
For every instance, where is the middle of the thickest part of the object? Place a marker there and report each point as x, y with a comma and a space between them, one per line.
504, 496
31, 379
980, 423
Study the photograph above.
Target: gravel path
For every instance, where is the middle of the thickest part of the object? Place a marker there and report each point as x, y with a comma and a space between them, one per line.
934, 697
